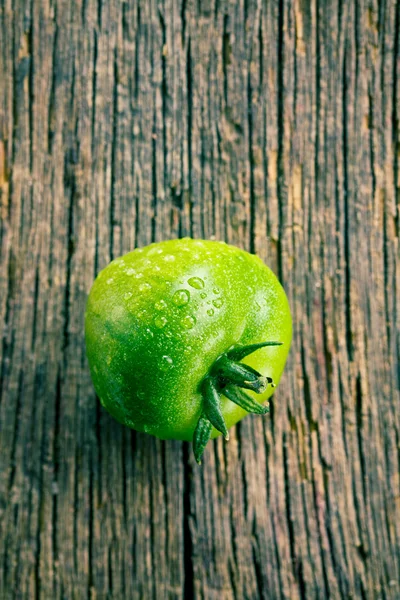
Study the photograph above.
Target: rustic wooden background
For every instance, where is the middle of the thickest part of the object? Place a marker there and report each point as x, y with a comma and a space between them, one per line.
273, 125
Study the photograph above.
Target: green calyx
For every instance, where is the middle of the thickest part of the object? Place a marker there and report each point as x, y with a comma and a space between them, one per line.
230, 377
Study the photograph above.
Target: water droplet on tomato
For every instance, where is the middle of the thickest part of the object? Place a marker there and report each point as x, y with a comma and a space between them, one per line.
160, 322
138, 275
128, 295
166, 363
196, 282
130, 272
210, 312
181, 297
144, 287
216, 290
203, 295
169, 258
257, 307
188, 322
110, 280
160, 305
218, 302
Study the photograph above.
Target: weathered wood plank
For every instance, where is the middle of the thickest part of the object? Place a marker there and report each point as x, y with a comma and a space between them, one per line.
275, 126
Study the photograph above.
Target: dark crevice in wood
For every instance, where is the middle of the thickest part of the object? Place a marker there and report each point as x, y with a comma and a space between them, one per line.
40, 377
258, 567
289, 523
8, 346
226, 56
17, 425
94, 93
188, 567
281, 131
347, 218
371, 126
154, 181
320, 525
232, 570
31, 80
164, 100
183, 19
69, 180
125, 479
137, 220
84, 8
113, 152
396, 117
360, 424
189, 82
35, 307
325, 321
318, 76
307, 392
99, 10
110, 572
76, 532
261, 57
164, 465
56, 468
52, 98
91, 533
253, 204
98, 430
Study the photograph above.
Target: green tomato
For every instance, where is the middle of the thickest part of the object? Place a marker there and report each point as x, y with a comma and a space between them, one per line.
176, 331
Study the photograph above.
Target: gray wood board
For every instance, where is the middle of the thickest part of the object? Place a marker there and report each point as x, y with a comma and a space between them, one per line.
274, 126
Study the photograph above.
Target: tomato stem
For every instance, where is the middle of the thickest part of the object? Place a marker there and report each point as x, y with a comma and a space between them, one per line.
230, 371
212, 406
245, 401
227, 376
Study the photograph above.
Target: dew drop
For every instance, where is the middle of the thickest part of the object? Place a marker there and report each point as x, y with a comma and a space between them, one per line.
181, 297
160, 322
130, 272
128, 295
169, 258
188, 322
144, 287
196, 282
257, 307
110, 280
138, 275
203, 295
166, 363
149, 333
218, 302
216, 290
160, 305
156, 268
210, 312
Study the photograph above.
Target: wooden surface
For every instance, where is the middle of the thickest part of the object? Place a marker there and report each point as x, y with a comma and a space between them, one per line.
275, 126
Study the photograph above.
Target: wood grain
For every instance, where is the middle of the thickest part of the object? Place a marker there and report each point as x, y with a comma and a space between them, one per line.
273, 125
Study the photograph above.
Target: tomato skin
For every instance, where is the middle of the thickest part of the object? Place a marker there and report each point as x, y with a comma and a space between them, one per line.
159, 317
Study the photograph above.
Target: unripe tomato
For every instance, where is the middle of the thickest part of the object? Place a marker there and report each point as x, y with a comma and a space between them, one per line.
178, 330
